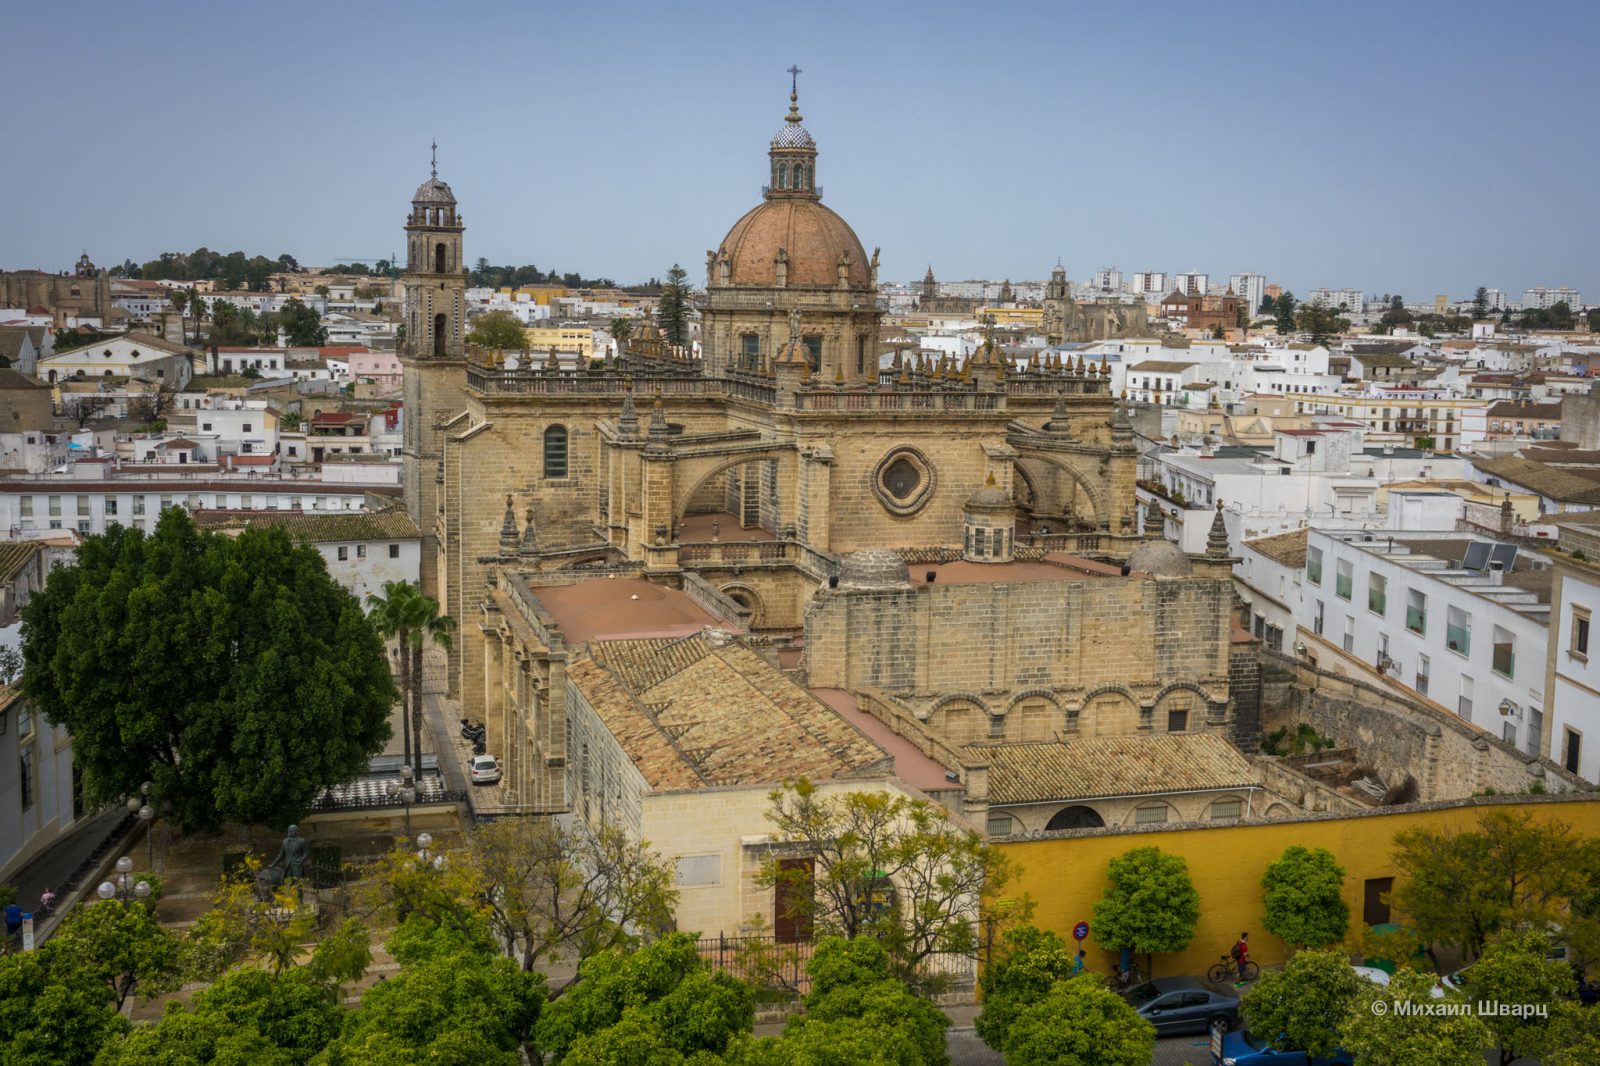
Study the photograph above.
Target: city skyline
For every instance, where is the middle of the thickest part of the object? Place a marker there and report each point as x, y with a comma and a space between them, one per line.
565, 141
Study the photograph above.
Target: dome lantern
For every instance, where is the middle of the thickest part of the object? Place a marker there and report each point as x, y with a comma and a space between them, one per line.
793, 154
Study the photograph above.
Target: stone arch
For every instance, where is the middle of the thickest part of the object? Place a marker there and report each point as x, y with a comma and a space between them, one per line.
597, 557
1077, 816
749, 599
1023, 489
1278, 810
960, 718
690, 475
1150, 804
1183, 696
1033, 714
1228, 801
1109, 710
1100, 508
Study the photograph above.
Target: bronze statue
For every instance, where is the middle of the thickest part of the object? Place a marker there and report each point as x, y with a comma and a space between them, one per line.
292, 855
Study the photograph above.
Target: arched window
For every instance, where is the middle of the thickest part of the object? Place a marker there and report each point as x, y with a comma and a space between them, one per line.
438, 258
800, 175
783, 175
555, 452
438, 332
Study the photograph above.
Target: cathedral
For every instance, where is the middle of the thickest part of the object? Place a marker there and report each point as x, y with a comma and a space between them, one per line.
958, 540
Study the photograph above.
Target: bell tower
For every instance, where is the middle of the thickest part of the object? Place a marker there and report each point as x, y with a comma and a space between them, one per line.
436, 278
433, 355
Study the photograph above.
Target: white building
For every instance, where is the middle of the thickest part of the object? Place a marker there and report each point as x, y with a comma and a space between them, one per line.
1458, 620
1192, 283
268, 362
132, 355
1251, 289
1545, 298
1148, 283
1572, 704
362, 551
1106, 279
1352, 300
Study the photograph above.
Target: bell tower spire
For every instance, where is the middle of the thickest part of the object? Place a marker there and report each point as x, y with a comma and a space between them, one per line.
793, 153
436, 278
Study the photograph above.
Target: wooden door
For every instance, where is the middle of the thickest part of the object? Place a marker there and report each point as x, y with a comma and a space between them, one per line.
792, 901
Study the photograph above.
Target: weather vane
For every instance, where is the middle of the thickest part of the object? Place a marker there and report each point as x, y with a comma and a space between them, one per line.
794, 80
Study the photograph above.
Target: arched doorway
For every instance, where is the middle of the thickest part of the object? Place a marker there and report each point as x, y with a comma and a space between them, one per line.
438, 332
1075, 817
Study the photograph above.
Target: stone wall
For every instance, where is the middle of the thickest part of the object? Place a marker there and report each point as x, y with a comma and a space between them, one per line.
1089, 655
1449, 758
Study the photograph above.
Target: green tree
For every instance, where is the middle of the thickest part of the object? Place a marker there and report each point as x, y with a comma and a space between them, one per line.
857, 1011
1396, 314
1301, 1006
1516, 969
1025, 967
1150, 906
459, 1003
187, 1038
621, 330
672, 310
1575, 1036
1080, 1023
1284, 308
1561, 315
53, 1016
1303, 904
886, 866
498, 330
1268, 306
663, 995
302, 325
1385, 1036
425, 625
233, 673
1458, 887
1480, 303
391, 615
120, 946
1320, 321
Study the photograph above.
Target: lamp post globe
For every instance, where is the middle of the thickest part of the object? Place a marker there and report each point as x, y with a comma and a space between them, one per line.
124, 865
106, 890
141, 890
133, 804
424, 841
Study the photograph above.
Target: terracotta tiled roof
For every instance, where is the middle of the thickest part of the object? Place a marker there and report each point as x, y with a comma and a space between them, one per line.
690, 714
315, 528
1516, 409
1565, 486
1286, 548
1160, 366
14, 555
1089, 767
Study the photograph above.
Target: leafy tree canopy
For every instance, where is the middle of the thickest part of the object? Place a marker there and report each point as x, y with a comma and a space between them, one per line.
1080, 1023
1458, 887
121, 947
301, 325
53, 1016
234, 270
1150, 906
1026, 966
1516, 968
1306, 1001
496, 277
1388, 1037
1284, 308
235, 674
673, 308
1303, 905
498, 329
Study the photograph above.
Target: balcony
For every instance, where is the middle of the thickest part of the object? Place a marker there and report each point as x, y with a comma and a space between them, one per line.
1342, 586
1458, 639
1417, 620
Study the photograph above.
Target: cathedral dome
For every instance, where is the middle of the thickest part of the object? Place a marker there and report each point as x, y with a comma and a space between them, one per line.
1161, 558
810, 234
873, 568
990, 498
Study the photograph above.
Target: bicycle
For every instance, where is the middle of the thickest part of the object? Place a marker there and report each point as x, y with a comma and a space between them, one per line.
1227, 968
1122, 980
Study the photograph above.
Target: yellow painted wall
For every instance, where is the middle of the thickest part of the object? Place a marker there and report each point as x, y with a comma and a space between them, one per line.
572, 339
1065, 876
539, 294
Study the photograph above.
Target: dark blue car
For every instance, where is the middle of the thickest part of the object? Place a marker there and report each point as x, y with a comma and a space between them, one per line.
1244, 1048
1184, 1004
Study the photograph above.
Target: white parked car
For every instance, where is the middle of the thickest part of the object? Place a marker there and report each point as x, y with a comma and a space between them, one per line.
485, 771
1373, 974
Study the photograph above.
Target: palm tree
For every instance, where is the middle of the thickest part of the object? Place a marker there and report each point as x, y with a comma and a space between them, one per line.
621, 330
424, 623
391, 614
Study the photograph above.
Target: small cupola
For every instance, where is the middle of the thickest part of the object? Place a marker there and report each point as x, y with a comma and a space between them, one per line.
989, 525
793, 154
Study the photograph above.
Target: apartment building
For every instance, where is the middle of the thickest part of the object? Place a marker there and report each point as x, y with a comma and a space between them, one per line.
1544, 298
1458, 620
1406, 417
1251, 289
1572, 667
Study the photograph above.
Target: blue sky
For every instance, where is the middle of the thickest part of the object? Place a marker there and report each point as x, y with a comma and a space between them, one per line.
1406, 147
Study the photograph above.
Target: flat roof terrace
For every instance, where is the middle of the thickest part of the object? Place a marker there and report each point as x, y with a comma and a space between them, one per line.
623, 608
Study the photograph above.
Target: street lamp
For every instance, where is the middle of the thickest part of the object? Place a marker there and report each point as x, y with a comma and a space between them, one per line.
147, 815
404, 790
124, 887
425, 856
